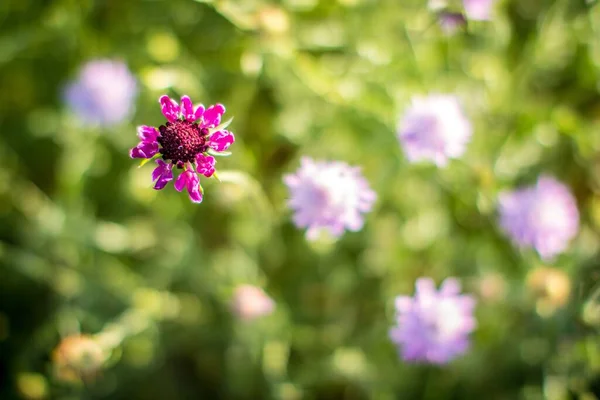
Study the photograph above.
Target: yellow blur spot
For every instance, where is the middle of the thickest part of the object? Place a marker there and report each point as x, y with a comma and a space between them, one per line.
32, 386
162, 47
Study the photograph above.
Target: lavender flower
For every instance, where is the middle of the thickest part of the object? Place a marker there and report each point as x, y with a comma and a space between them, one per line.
478, 10
543, 216
450, 22
188, 141
433, 326
251, 302
103, 93
330, 196
434, 128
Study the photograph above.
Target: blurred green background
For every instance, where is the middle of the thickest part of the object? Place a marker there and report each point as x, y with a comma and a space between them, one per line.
87, 246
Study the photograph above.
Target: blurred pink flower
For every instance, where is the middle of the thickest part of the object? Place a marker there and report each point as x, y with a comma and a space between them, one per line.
433, 326
434, 128
543, 216
450, 22
328, 195
251, 302
103, 93
479, 10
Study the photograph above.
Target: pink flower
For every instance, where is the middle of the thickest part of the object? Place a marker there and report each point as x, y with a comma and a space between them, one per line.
186, 141
433, 326
478, 10
450, 22
251, 302
434, 129
330, 196
543, 216
103, 93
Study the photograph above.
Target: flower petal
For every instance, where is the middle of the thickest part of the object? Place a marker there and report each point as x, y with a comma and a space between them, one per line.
181, 181
160, 169
169, 108
144, 150
212, 116
221, 140
187, 109
147, 133
206, 165
450, 287
163, 180
198, 112
162, 174
193, 188
189, 180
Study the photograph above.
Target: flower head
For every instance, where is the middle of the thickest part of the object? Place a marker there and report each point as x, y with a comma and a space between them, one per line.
328, 195
478, 10
103, 93
450, 22
434, 128
251, 302
433, 326
185, 141
543, 216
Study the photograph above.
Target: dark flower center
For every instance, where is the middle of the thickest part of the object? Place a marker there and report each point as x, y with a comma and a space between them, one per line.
182, 141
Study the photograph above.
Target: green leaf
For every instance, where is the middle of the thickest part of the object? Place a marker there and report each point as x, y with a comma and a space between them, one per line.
221, 126
216, 176
145, 160
219, 153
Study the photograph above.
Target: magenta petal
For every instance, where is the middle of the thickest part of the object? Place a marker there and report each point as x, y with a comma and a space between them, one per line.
198, 112
212, 116
195, 193
190, 181
136, 153
147, 133
187, 109
160, 169
163, 180
144, 150
206, 165
181, 181
169, 108
162, 174
221, 140
193, 187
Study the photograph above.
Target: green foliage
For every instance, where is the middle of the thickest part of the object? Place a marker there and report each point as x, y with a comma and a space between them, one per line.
87, 246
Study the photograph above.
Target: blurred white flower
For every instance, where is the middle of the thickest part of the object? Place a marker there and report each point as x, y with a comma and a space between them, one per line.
434, 128
328, 195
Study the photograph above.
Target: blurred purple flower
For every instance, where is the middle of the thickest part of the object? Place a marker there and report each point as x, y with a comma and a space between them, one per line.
434, 128
543, 216
330, 196
450, 22
479, 10
433, 326
251, 302
103, 93
185, 141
